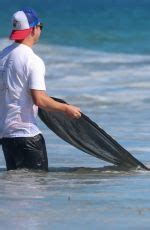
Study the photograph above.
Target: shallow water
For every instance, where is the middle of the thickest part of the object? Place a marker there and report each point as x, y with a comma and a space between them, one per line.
78, 198
80, 191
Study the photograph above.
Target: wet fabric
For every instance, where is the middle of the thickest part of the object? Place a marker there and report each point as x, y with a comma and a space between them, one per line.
25, 152
87, 136
20, 70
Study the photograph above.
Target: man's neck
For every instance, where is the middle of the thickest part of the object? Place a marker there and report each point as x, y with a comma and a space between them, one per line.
26, 42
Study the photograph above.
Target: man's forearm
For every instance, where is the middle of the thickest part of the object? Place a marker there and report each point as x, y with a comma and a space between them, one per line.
42, 100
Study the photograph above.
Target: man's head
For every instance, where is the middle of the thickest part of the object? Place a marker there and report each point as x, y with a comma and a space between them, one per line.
25, 22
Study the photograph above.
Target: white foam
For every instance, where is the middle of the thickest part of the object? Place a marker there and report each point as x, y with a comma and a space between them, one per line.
105, 77
86, 56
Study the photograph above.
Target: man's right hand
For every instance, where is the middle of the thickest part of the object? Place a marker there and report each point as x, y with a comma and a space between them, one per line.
72, 111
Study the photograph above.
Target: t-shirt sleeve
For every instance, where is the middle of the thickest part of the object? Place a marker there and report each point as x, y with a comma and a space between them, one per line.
37, 74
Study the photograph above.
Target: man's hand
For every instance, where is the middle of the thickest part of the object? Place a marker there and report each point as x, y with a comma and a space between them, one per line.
73, 111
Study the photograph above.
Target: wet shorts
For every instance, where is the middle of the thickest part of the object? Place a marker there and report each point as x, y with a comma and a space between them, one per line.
25, 152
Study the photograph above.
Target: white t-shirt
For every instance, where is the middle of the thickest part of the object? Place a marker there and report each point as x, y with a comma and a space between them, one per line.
20, 70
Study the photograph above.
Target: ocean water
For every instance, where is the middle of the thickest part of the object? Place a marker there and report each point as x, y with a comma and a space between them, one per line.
97, 56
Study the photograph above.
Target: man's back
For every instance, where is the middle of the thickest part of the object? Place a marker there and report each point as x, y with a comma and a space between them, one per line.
17, 111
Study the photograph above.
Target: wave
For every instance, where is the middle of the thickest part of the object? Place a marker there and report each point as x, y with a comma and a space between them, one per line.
82, 55
94, 76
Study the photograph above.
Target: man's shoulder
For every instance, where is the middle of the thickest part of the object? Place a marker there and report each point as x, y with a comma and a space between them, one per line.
36, 60
25, 55
24, 50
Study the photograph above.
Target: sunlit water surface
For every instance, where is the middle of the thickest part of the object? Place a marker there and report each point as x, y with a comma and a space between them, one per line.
80, 191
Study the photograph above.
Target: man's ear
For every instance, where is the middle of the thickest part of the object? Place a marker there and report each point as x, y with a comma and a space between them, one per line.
33, 31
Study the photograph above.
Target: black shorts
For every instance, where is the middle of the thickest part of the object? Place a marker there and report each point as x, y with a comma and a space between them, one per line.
25, 152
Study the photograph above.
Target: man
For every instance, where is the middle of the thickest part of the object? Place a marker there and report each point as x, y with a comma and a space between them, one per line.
22, 91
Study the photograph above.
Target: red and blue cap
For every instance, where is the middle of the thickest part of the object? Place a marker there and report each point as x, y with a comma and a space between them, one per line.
23, 21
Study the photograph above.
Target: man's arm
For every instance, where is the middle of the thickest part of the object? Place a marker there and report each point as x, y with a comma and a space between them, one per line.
42, 100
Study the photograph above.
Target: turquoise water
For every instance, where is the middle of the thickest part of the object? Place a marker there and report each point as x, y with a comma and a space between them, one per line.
112, 26
97, 57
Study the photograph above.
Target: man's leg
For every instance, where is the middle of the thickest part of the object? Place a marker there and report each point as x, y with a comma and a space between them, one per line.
25, 152
35, 153
8, 149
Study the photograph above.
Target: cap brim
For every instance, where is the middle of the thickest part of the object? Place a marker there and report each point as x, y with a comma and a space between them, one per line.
20, 34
